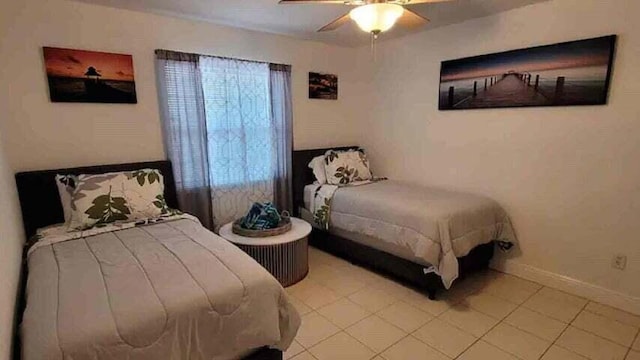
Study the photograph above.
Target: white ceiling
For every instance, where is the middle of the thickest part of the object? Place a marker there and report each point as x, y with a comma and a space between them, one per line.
302, 21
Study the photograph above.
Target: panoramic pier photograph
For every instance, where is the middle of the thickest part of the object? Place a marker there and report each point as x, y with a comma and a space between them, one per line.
572, 73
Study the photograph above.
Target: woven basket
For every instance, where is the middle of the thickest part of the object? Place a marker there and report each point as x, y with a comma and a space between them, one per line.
283, 227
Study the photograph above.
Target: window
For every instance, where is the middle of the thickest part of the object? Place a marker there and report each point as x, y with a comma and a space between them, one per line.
238, 114
227, 130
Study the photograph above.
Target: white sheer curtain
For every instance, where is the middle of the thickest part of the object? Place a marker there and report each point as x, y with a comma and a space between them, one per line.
227, 126
241, 138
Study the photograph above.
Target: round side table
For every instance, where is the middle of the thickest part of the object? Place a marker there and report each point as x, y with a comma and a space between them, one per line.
285, 256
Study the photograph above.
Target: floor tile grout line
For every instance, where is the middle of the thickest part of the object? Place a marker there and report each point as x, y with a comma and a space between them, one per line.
626, 355
531, 333
390, 346
630, 349
412, 334
430, 347
411, 306
380, 352
351, 336
488, 331
569, 350
555, 342
527, 299
612, 319
572, 325
565, 329
500, 322
598, 335
583, 308
609, 318
545, 315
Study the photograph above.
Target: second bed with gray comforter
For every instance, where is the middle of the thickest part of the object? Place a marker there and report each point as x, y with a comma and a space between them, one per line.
426, 225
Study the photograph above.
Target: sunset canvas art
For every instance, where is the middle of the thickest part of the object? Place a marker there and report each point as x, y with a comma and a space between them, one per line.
571, 73
89, 76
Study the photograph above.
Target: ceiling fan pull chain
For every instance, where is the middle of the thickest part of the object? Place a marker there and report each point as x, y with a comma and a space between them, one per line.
374, 37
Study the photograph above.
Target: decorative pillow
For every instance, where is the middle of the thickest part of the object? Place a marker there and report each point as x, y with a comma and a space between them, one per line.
124, 196
345, 167
66, 186
317, 165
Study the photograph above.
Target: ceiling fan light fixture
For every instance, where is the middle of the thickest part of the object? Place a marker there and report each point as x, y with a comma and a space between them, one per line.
377, 17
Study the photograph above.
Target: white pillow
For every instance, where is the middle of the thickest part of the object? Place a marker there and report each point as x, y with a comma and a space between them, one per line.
124, 196
345, 167
66, 186
317, 165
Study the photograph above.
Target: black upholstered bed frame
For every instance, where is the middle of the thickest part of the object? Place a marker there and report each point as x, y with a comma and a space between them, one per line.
41, 206
397, 267
39, 197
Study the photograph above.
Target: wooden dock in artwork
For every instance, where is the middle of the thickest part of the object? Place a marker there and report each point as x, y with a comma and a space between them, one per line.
512, 89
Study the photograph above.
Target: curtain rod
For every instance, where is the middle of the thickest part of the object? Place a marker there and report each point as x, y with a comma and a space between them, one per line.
157, 51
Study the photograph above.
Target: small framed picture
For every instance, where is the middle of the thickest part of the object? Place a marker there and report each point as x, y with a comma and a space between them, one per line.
323, 86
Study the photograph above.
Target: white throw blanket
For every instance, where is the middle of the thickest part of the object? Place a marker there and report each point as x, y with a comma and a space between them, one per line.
321, 204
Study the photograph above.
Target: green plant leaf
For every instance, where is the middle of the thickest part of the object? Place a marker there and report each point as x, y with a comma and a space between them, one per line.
107, 209
100, 204
153, 177
120, 204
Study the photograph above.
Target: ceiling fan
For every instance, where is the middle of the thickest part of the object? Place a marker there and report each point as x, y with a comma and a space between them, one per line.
373, 16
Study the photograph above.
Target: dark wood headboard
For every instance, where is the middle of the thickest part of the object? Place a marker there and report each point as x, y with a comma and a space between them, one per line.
40, 201
302, 175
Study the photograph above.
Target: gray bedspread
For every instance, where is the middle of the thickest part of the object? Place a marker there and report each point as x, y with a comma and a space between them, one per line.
435, 225
170, 290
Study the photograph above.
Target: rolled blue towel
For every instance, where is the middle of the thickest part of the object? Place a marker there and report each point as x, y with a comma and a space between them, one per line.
261, 216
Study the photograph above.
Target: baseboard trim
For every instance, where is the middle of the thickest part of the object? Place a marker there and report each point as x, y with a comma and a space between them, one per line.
570, 285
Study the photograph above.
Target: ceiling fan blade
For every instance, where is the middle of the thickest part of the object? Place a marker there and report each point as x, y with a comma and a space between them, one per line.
339, 2
412, 20
412, 2
336, 23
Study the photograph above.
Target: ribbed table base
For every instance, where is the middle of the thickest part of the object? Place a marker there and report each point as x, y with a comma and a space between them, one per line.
287, 262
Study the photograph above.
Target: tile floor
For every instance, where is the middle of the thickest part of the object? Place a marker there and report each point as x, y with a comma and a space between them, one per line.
351, 313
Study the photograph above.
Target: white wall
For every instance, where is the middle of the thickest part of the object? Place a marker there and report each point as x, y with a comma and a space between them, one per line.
11, 240
41, 134
38, 134
568, 176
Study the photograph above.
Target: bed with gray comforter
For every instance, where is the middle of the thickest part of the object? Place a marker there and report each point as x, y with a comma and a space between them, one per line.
426, 225
170, 290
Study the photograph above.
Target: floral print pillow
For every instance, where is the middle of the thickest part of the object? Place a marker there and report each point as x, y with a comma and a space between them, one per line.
116, 197
345, 167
